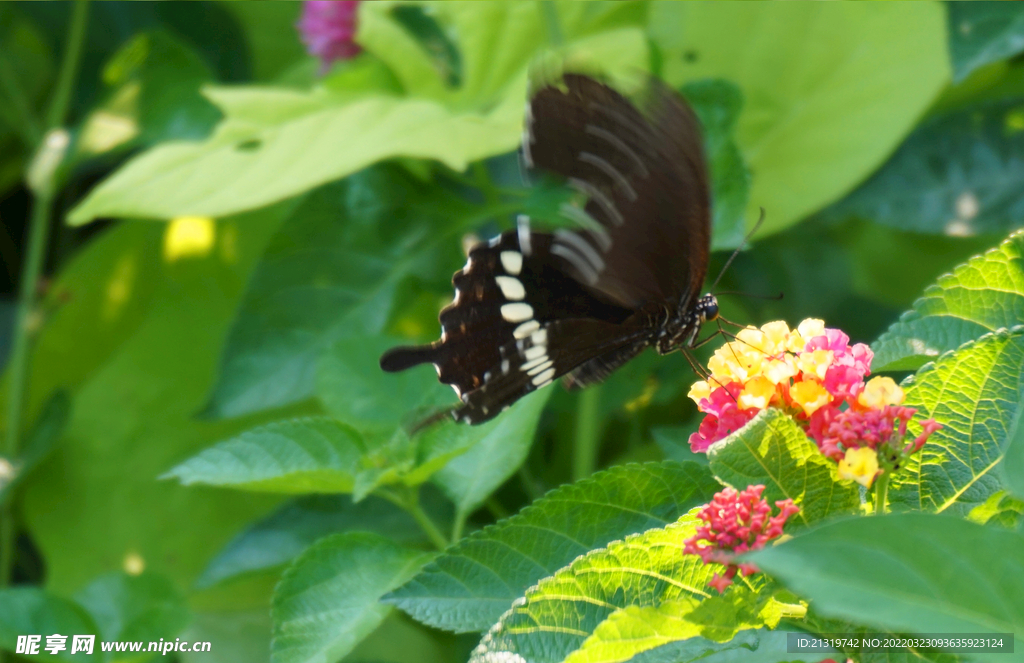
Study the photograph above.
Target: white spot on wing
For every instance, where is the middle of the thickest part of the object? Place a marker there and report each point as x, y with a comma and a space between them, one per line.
544, 378
533, 363
540, 338
536, 351
525, 329
598, 196
511, 287
543, 367
517, 312
523, 227
609, 170
512, 261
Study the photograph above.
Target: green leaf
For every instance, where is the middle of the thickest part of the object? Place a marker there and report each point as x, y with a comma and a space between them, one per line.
352, 386
32, 611
636, 629
39, 443
146, 608
500, 449
773, 451
271, 48
917, 573
1000, 508
328, 599
309, 455
718, 104
674, 442
955, 175
759, 646
331, 272
556, 616
279, 537
1013, 464
984, 294
138, 343
812, 127
275, 144
975, 393
468, 587
981, 33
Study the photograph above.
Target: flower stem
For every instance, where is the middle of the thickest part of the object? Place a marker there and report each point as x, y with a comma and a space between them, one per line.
881, 488
39, 226
584, 457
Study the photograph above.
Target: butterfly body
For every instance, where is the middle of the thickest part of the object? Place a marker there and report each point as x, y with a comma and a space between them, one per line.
531, 307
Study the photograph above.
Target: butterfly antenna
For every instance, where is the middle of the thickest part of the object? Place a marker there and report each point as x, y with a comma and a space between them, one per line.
431, 420
739, 248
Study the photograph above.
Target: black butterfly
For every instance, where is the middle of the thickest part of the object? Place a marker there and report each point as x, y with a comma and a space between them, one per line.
531, 307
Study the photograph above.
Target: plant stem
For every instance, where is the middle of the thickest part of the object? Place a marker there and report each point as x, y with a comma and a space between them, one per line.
412, 505
529, 484
458, 524
36, 252
69, 67
584, 457
881, 488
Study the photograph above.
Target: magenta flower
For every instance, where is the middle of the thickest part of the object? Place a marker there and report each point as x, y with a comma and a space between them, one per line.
735, 523
328, 29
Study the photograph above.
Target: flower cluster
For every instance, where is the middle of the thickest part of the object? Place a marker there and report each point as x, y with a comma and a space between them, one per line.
815, 375
735, 523
328, 29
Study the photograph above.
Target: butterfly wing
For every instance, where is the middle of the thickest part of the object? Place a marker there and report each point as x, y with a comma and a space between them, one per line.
518, 322
645, 179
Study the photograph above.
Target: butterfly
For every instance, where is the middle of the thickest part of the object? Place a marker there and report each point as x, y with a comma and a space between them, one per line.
532, 307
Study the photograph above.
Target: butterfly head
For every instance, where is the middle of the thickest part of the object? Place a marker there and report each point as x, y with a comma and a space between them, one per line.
707, 308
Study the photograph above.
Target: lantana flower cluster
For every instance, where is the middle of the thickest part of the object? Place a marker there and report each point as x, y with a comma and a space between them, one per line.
735, 523
328, 29
818, 378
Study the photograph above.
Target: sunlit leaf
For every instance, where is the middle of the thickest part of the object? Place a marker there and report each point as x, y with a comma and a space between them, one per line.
975, 392
981, 295
327, 600
811, 128
474, 582
917, 573
773, 451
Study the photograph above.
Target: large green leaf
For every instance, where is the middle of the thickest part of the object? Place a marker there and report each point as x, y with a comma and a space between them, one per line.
957, 174
773, 451
139, 608
281, 536
311, 455
470, 478
975, 392
39, 442
983, 32
917, 573
830, 89
327, 600
760, 646
474, 582
1013, 464
558, 615
32, 611
636, 629
138, 343
331, 272
275, 144
984, 294
718, 104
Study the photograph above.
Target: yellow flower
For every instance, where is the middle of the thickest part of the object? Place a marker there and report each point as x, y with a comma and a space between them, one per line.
805, 331
735, 362
779, 370
809, 395
777, 333
699, 391
757, 393
189, 237
753, 339
861, 465
879, 392
815, 363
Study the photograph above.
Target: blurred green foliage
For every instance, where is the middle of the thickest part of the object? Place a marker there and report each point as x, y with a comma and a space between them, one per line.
211, 452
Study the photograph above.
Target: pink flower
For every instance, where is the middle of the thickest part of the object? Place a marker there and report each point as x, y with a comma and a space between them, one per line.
328, 29
735, 523
724, 417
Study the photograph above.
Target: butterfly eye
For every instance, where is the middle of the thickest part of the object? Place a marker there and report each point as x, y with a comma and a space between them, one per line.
710, 308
